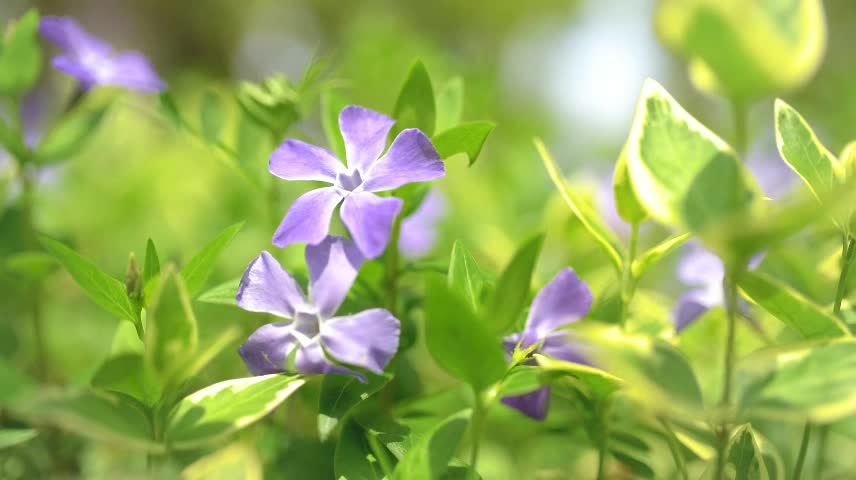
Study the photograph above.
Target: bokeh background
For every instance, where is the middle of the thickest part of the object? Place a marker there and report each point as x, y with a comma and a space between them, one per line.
567, 71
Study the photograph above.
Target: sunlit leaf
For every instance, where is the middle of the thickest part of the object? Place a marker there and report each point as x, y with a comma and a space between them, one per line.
415, 106
465, 276
465, 138
20, 55
235, 462
199, 268
511, 293
450, 104
657, 253
70, 136
224, 294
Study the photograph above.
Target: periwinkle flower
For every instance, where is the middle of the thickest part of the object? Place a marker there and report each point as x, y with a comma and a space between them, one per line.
367, 340
411, 158
563, 301
93, 62
419, 230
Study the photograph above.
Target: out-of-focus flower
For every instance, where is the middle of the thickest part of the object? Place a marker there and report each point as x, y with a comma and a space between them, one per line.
775, 178
367, 340
92, 61
411, 158
419, 230
563, 301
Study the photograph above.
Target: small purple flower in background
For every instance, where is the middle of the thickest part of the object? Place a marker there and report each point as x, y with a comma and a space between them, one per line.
703, 271
411, 158
366, 340
419, 230
563, 301
774, 176
92, 61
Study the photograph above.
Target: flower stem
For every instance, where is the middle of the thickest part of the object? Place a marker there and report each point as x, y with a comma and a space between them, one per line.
393, 267
803, 449
381, 454
724, 432
674, 448
741, 130
848, 251
627, 280
479, 414
603, 440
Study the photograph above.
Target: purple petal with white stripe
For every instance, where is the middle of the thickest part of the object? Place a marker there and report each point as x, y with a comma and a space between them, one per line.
367, 339
267, 288
296, 160
365, 132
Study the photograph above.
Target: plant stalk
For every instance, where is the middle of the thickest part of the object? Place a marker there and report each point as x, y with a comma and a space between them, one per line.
603, 441
627, 280
806, 436
724, 433
393, 258
674, 448
478, 425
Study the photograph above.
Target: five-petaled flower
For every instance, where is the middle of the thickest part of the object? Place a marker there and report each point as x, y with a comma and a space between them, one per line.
419, 230
367, 340
563, 301
92, 61
369, 218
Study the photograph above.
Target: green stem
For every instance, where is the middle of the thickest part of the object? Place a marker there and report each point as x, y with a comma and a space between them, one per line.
603, 441
806, 436
848, 250
31, 242
627, 280
674, 448
724, 431
741, 130
392, 267
478, 424
823, 434
381, 454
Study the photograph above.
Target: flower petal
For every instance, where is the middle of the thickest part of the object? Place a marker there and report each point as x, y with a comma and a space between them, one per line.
367, 339
564, 300
369, 218
700, 267
333, 267
691, 306
73, 68
308, 219
561, 346
267, 288
534, 404
296, 160
268, 348
411, 158
133, 71
419, 230
365, 132
68, 35
310, 359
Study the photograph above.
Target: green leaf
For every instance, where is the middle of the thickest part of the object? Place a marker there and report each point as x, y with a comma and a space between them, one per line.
684, 174
450, 104
745, 50
108, 292
71, 134
332, 104
212, 118
661, 376
219, 410
415, 106
107, 417
793, 309
32, 265
596, 382
151, 269
224, 294
626, 203
273, 104
745, 456
465, 276
126, 373
354, 459
20, 56
587, 217
170, 109
814, 382
459, 342
14, 384
340, 394
512, 288
199, 268
466, 138
235, 462
521, 380
430, 456
9, 437
657, 253
172, 332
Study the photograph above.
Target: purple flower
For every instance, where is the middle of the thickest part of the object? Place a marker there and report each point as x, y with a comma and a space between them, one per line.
367, 340
419, 230
92, 61
563, 301
703, 271
411, 158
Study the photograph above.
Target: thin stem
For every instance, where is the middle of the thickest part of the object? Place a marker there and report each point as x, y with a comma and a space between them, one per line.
381, 454
848, 250
823, 434
627, 280
741, 130
31, 242
806, 436
674, 448
392, 267
724, 431
603, 441
478, 424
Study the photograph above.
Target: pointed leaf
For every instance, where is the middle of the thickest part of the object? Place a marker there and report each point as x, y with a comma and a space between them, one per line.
9, 437
354, 459
211, 117
657, 253
172, 332
219, 410
340, 394
20, 56
224, 294
430, 456
126, 373
744, 454
450, 104
199, 268
465, 276
151, 268
628, 206
597, 382
512, 288
415, 106
332, 104
108, 292
70, 136
466, 138
602, 235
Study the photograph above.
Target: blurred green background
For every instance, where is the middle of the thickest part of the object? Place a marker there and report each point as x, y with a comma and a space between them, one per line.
569, 72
